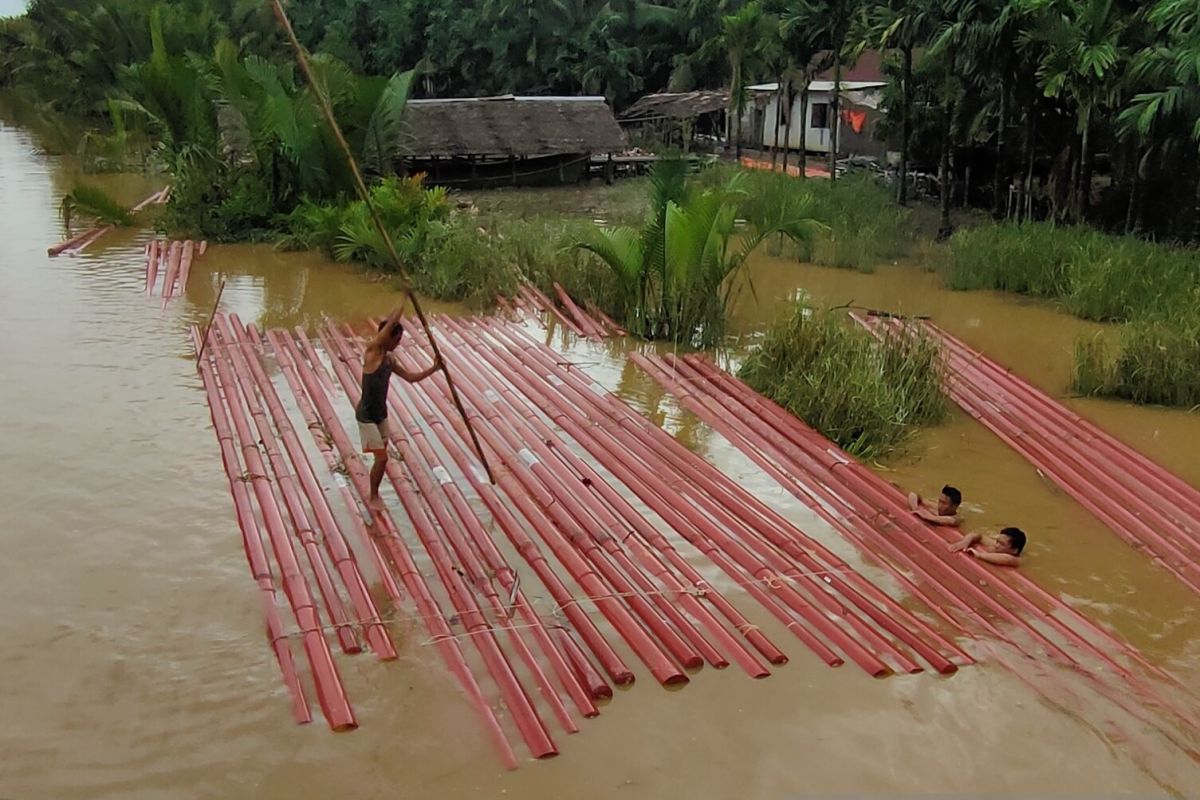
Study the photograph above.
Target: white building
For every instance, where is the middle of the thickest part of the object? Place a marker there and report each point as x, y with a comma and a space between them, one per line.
859, 106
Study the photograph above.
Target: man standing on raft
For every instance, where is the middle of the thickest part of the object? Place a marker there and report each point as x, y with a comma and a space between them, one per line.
371, 411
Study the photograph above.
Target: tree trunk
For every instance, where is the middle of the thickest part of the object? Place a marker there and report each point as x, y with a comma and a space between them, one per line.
1085, 167
787, 124
1135, 187
1027, 189
944, 228
736, 97
778, 124
835, 123
905, 126
1196, 215
804, 132
999, 197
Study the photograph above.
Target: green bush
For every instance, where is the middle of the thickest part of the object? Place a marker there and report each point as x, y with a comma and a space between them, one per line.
864, 394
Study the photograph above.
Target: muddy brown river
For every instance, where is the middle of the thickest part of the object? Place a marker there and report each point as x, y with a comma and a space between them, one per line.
133, 664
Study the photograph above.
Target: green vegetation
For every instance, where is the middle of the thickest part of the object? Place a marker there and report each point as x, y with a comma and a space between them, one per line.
1095, 275
863, 227
1153, 361
673, 275
90, 201
866, 395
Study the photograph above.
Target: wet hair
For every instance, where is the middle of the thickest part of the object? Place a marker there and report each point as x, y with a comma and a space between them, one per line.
952, 494
1016, 536
397, 329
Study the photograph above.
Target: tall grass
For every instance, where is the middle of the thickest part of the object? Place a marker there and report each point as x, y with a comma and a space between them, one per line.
864, 226
866, 395
1095, 275
1154, 360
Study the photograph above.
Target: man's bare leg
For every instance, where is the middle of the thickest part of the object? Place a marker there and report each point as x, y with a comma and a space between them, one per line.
377, 470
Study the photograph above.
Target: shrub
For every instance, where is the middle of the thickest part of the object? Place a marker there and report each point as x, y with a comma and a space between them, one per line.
867, 395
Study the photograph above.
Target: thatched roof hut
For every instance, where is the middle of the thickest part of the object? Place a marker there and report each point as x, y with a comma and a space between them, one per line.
509, 126
676, 105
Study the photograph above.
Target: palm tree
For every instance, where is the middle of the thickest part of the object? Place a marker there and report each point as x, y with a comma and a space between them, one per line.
742, 35
1170, 66
904, 25
675, 274
1081, 56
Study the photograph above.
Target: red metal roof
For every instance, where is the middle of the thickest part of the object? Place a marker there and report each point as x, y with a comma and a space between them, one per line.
868, 68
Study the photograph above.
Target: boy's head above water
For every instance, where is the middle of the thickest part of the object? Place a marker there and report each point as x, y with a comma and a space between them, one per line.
1011, 541
948, 501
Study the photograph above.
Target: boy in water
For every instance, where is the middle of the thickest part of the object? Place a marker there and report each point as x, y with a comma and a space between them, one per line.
944, 513
1003, 549
372, 410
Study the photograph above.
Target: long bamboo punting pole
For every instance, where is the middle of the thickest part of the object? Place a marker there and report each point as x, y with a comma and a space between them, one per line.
256, 556
647, 536
458, 448
587, 562
320, 92
622, 459
460, 526
324, 525
480, 630
389, 539
330, 692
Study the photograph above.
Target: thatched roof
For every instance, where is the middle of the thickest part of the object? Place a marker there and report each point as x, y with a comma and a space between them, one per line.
676, 105
510, 126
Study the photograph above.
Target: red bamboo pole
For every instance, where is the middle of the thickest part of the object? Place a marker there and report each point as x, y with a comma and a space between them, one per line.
417, 453
330, 693
252, 544
613, 325
544, 303
524, 714
574, 516
203, 248
185, 266
589, 325
585, 673
428, 609
326, 526
174, 254
152, 255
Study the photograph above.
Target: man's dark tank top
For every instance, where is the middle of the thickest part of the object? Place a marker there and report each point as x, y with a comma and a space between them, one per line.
372, 406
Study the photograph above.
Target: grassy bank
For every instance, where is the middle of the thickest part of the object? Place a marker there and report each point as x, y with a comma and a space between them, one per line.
1155, 357
864, 225
865, 395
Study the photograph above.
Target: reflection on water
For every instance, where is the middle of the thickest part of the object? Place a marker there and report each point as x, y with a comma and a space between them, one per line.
134, 663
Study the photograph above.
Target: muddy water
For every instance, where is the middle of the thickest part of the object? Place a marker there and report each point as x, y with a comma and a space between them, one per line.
133, 663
